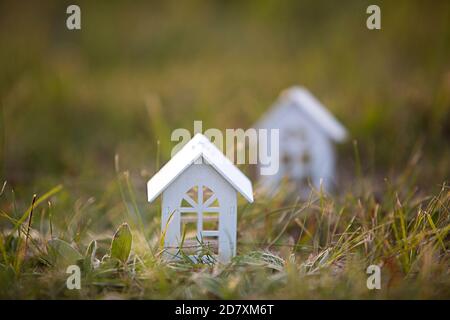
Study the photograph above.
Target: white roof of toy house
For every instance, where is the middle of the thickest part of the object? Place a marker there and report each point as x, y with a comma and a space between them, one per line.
308, 105
199, 146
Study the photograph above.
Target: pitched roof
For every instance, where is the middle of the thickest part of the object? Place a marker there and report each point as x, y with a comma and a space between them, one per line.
199, 146
312, 108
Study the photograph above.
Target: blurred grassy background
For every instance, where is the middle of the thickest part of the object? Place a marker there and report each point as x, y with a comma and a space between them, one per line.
71, 100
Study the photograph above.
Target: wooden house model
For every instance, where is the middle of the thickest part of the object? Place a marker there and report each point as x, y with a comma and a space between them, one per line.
308, 132
199, 187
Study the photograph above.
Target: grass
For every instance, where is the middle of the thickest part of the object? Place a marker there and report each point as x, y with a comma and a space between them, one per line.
72, 104
315, 249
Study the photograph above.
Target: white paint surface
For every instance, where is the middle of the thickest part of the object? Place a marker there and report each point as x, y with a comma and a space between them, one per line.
215, 172
307, 130
199, 147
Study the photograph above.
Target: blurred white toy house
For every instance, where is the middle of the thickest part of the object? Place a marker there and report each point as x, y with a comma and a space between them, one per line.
307, 134
199, 187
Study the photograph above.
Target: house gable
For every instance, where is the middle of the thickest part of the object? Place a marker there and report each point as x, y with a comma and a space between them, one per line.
199, 174
197, 148
301, 100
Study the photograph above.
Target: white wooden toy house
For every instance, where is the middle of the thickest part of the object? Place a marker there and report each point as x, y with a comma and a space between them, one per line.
199, 188
307, 132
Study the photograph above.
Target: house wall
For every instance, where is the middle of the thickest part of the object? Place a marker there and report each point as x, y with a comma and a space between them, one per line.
299, 134
171, 199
